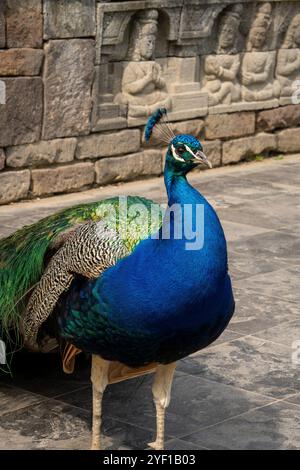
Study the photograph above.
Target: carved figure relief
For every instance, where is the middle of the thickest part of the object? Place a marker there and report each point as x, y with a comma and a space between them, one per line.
211, 58
143, 87
288, 60
257, 70
221, 71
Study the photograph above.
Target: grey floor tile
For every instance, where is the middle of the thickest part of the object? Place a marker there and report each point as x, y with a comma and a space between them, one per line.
195, 403
56, 425
249, 363
235, 232
12, 399
271, 212
255, 311
287, 333
180, 444
274, 426
263, 253
283, 284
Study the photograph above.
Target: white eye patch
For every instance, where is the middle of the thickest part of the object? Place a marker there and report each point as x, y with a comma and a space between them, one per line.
177, 157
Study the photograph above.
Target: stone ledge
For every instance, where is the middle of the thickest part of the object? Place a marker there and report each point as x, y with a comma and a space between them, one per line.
14, 62
62, 179
112, 170
239, 149
14, 185
106, 145
289, 140
42, 153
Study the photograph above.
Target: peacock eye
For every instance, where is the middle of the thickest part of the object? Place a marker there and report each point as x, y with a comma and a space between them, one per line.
180, 150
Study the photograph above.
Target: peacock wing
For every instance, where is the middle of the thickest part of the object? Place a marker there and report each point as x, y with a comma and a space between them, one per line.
24, 255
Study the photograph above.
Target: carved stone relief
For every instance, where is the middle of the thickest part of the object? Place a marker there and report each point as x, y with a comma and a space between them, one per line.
221, 71
288, 61
143, 87
193, 58
257, 71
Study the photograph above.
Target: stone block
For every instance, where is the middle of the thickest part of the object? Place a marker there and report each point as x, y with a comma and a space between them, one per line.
65, 19
21, 115
2, 159
14, 62
287, 116
106, 145
24, 23
68, 77
2, 26
14, 185
289, 140
129, 167
42, 153
220, 126
213, 151
235, 150
62, 179
193, 127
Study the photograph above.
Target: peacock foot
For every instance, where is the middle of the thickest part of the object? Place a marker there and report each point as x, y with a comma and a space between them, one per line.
95, 446
156, 445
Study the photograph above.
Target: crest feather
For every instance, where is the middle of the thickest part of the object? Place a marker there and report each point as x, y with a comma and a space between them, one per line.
152, 121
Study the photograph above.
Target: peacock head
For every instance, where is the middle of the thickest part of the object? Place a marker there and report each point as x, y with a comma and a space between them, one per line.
185, 152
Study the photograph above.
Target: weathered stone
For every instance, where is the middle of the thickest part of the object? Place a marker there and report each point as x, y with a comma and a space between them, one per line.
229, 125
106, 145
14, 62
2, 159
65, 19
212, 149
21, 115
41, 153
14, 185
287, 116
68, 80
2, 26
24, 23
289, 140
143, 97
62, 179
112, 170
221, 70
239, 149
193, 127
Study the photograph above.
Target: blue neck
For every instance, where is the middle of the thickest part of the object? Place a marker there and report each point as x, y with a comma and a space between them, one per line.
178, 188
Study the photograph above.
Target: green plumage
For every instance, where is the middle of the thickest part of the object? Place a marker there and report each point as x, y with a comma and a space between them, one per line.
22, 255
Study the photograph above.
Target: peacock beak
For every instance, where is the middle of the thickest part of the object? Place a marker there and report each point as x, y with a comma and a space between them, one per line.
200, 157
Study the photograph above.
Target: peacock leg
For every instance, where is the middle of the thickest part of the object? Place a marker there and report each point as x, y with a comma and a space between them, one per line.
99, 378
162, 393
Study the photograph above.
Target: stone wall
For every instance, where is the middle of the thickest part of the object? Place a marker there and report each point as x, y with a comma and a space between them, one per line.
78, 79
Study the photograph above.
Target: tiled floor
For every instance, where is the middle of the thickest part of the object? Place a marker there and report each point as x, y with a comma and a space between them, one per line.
243, 392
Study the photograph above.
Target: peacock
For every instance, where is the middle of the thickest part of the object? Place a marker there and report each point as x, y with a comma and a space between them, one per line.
135, 286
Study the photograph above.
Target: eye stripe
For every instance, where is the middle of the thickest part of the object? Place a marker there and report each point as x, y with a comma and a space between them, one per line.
190, 151
175, 154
